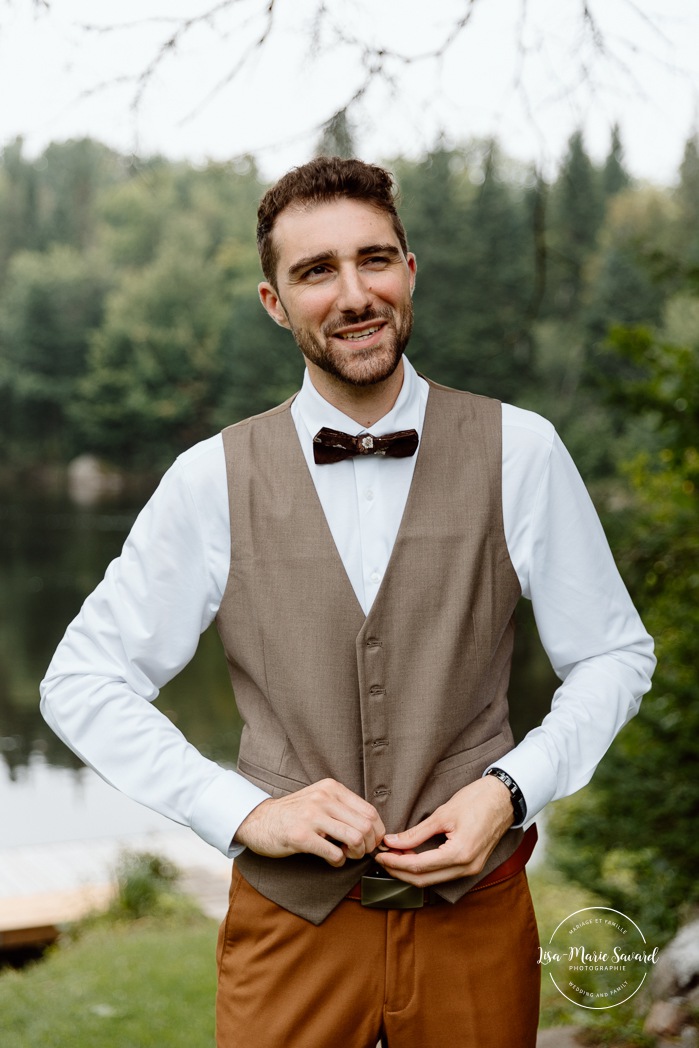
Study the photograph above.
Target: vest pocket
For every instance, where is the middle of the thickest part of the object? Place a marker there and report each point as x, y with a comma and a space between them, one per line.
494, 747
279, 785
456, 771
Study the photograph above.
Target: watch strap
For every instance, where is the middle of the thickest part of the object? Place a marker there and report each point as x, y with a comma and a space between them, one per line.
519, 805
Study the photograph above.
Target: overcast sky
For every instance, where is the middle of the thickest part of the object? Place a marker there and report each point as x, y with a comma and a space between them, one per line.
530, 81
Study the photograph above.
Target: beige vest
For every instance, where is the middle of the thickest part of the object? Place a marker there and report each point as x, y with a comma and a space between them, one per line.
404, 706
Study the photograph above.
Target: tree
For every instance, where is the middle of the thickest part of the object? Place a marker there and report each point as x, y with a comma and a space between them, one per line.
632, 833
18, 204
469, 227
337, 137
577, 211
687, 196
615, 177
624, 284
365, 60
71, 176
154, 365
50, 305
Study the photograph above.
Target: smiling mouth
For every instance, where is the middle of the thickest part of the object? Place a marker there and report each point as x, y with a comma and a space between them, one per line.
359, 336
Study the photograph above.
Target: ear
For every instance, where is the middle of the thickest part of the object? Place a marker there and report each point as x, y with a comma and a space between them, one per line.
272, 304
412, 267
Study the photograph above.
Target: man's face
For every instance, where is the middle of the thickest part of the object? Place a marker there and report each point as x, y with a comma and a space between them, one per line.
343, 289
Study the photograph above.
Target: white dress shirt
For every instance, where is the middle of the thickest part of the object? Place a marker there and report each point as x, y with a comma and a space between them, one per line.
142, 623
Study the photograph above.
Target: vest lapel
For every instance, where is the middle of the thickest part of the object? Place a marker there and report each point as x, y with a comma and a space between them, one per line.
311, 515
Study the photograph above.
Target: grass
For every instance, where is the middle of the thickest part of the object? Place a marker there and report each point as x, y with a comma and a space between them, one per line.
554, 899
149, 982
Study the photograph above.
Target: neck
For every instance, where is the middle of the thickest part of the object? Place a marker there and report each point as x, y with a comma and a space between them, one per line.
364, 404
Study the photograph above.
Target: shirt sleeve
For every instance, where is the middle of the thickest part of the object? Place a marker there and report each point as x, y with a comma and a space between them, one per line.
587, 623
136, 631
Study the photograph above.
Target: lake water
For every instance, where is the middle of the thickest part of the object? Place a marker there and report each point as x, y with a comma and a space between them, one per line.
52, 554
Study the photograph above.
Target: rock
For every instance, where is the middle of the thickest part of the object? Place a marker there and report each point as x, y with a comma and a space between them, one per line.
677, 969
90, 480
559, 1037
666, 1018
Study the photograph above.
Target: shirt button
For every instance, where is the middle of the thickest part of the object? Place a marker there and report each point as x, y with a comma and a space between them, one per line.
375, 577
368, 494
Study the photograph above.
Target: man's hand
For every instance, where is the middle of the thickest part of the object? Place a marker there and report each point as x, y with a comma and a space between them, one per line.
311, 820
473, 821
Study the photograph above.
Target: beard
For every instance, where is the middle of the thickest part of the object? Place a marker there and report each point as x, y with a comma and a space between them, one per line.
355, 366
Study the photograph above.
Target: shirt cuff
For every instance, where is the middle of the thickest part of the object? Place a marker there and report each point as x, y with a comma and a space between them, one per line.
532, 772
222, 807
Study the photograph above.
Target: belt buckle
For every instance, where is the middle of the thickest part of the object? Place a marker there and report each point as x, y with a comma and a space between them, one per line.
388, 893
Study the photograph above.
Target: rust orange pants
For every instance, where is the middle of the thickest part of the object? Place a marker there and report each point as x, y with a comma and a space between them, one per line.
462, 976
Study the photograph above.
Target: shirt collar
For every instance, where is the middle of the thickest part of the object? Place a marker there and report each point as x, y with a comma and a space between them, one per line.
407, 412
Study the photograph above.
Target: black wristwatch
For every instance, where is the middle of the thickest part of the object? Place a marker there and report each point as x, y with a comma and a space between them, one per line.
519, 805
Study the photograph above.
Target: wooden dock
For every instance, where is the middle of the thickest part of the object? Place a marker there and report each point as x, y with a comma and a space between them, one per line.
44, 887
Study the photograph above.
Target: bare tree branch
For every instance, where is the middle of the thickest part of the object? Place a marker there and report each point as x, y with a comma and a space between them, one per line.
257, 46
598, 58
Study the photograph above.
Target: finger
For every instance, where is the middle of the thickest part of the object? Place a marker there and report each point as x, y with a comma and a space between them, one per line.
417, 863
352, 839
330, 851
425, 880
426, 868
362, 835
416, 835
347, 806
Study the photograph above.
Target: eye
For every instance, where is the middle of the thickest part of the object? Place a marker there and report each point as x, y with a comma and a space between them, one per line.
377, 261
316, 272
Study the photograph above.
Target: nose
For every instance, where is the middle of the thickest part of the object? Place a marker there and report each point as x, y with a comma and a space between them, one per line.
353, 294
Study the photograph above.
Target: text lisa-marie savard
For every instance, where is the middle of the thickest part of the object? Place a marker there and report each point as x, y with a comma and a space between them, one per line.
594, 957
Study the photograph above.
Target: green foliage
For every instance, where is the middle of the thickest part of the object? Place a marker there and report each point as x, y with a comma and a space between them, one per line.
468, 225
129, 320
632, 833
687, 195
145, 885
577, 211
49, 305
614, 175
154, 366
337, 137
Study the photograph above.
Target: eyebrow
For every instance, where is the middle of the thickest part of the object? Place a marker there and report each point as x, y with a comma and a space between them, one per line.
328, 256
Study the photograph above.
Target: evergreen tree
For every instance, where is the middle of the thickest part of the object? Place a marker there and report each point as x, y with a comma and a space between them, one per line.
19, 225
577, 209
337, 137
614, 175
687, 197
470, 232
50, 305
72, 175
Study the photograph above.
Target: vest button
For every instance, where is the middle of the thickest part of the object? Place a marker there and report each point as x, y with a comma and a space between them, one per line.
376, 690
373, 642
382, 791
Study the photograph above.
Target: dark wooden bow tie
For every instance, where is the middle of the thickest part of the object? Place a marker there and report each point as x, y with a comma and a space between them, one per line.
330, 445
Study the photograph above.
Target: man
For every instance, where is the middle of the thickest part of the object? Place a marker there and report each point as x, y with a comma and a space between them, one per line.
362, 549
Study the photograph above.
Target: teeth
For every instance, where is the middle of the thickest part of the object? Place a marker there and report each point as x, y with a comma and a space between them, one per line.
355, 336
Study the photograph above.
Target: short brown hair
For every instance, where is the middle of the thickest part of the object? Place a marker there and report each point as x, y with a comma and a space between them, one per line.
320, 180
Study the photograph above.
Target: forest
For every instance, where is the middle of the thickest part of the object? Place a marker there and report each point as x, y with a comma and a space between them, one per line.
130, 328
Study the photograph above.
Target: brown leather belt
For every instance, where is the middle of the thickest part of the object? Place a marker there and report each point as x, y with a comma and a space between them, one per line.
388, 893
